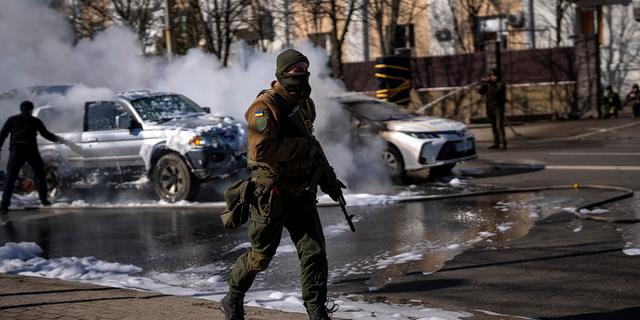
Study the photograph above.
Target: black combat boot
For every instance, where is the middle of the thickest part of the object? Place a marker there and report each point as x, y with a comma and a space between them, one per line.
322, 313
231, 306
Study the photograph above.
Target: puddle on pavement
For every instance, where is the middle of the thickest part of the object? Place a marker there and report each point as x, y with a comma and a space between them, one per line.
421, 236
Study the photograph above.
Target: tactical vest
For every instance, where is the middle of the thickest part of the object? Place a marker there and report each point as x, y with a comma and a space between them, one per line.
295, 167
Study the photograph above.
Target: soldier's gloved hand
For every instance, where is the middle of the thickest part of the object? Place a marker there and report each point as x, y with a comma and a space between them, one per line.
62, 140
311, 152
333, 190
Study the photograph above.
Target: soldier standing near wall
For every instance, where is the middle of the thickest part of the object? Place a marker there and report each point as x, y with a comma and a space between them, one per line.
495, 91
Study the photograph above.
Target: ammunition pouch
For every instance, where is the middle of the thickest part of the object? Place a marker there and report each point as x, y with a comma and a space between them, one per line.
239, 198
268, 199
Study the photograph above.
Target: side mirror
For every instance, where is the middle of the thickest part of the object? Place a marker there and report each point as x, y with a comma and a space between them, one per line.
206, 109
123, 121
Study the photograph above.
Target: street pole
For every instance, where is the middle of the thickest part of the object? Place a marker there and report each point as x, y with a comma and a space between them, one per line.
532, 25
168, 27
287, 26
365, 29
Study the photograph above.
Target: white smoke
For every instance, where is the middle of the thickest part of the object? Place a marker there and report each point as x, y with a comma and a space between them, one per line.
37, 49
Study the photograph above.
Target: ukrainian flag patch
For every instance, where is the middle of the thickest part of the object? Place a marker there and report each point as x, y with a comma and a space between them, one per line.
259, 113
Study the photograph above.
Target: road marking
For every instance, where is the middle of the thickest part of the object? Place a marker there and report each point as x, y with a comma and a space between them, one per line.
601, 131
594, 153
621, 168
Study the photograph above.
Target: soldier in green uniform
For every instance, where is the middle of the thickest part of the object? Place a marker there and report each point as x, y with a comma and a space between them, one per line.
281, 160
611, 103
495, 92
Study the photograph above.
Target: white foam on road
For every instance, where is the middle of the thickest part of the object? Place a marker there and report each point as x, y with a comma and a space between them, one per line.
23, 258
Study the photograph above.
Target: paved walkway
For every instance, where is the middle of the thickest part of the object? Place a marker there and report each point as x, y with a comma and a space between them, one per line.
26, 298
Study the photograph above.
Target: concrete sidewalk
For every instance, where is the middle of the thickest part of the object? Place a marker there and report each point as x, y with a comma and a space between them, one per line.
26, 298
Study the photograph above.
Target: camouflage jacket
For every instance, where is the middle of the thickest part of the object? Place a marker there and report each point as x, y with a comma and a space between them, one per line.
274, 143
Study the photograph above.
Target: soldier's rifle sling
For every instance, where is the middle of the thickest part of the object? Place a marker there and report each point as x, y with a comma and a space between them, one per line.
298, 121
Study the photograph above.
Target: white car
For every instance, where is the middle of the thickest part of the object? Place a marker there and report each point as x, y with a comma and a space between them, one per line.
413, 141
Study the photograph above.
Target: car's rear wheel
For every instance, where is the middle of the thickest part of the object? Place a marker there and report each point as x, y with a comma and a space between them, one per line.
442, 170
395, 163
172, 179
56, 185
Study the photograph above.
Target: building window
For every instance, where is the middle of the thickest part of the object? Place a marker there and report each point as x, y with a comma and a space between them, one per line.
590, 21
491, 28
403, 36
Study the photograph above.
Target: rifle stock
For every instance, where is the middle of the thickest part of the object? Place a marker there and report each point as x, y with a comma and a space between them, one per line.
298, 121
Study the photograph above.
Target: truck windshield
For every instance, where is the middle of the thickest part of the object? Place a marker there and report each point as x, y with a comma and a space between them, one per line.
165, 107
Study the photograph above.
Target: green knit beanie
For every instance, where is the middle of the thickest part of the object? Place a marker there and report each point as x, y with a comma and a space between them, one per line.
288, 58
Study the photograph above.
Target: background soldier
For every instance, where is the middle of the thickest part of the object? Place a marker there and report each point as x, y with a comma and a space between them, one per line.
495, 92
611, 103
281, 160
634, 96
24, 148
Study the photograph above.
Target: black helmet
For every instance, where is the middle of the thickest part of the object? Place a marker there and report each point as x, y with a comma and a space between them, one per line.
494, 72
635, 85
609, 87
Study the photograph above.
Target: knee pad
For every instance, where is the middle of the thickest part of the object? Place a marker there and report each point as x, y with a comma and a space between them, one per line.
257, 262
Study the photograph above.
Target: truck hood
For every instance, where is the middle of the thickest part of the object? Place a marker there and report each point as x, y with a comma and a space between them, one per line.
424, 124
199, 124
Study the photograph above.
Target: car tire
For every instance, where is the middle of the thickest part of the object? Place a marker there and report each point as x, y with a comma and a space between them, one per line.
442, 170
56, 185
395, 163
173, 180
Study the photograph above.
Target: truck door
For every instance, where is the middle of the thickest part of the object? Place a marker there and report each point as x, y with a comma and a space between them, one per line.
104, 145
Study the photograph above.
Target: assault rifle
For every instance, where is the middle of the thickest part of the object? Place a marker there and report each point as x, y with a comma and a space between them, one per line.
324, 168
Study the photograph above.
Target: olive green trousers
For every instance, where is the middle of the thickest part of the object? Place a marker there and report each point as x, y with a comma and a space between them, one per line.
496, 117
300, 216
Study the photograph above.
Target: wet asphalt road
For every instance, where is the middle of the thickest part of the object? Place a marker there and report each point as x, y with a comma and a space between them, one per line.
472, 243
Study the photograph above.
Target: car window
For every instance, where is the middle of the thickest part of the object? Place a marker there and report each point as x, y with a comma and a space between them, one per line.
165, 107
102, 116
61, 119
380, 111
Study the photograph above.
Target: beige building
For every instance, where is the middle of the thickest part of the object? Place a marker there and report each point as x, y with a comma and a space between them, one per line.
423, 27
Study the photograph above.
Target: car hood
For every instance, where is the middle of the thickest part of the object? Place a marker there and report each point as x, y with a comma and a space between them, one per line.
424, 124
200, 123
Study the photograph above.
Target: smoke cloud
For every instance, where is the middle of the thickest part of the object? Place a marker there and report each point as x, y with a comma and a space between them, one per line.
37, 49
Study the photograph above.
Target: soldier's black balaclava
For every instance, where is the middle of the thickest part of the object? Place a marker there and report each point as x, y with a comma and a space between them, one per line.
293, 82
26, 106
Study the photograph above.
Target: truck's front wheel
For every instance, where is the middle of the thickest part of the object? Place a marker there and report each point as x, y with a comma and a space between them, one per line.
173, 181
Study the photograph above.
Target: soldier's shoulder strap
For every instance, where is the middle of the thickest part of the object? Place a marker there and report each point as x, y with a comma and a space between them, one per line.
269, 91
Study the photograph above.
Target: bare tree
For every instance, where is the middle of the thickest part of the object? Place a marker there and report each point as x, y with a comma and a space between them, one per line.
138, 15
385, 15
561, 9
340, 15
622, 31
470, 10
221, 23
